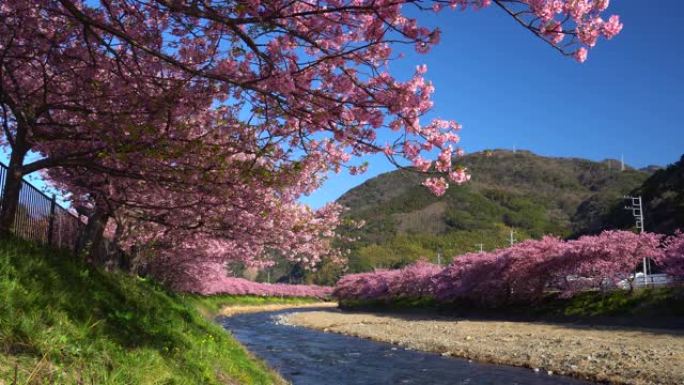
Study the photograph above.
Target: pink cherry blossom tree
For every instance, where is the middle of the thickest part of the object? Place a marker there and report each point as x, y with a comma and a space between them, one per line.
311, 79
524, 273
672, 260
206, 203
196, 126
66, 97
210, 279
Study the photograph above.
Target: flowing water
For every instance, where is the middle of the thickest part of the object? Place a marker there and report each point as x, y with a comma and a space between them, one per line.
310, 357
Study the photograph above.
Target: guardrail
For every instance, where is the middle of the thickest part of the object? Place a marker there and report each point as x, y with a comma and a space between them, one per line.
41, 219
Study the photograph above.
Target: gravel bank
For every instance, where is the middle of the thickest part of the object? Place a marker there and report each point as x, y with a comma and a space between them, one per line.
606, 354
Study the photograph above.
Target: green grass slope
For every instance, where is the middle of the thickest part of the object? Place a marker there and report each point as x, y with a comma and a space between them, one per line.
64, 323
210, 306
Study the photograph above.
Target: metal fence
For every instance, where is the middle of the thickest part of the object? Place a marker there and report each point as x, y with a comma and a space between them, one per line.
41, 219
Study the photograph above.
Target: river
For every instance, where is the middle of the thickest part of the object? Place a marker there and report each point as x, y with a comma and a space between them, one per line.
310, 357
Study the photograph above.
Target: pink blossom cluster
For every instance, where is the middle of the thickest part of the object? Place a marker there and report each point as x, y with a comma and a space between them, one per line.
524, 272
571, 26
674, 255
211, 279
413, 281
553, 18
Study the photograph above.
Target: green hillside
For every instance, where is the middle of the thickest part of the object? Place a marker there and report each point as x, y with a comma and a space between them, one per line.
530, 194
64, 323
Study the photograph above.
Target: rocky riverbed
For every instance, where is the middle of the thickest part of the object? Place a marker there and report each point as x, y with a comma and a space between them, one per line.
616, 355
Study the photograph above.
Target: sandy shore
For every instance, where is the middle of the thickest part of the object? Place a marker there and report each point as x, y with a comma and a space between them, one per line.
241, 309
607, 354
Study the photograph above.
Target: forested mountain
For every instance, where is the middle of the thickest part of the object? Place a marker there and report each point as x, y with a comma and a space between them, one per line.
529, 194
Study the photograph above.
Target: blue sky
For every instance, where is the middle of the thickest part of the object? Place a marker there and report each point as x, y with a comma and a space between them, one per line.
509, 89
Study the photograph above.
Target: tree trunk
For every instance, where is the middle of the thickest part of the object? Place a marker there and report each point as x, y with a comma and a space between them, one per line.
11, 190
118, 258
91, 239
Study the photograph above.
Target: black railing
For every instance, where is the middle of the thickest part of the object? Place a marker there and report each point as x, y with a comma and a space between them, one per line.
41, 219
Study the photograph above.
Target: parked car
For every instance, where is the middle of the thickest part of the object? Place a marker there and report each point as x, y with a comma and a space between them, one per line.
651, 280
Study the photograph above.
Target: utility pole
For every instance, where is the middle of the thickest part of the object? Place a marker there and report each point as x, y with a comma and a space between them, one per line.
480, 245
622, 163
637, 208
439, 257
512, 238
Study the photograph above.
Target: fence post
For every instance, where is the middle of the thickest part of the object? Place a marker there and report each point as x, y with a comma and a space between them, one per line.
51, 223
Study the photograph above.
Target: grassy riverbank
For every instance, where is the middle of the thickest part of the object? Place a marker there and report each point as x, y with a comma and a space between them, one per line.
215, 305
661, 307
62, 322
